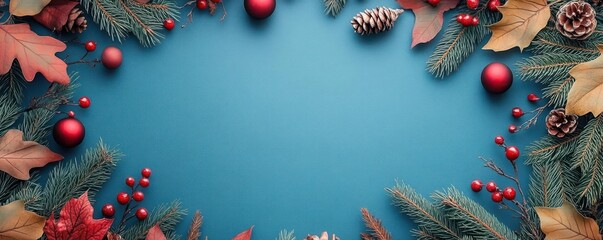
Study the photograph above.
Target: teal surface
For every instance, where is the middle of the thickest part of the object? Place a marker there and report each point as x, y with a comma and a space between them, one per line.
295, 122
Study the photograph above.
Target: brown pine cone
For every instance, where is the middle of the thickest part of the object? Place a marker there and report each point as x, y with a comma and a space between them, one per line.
76, 23
559, 124
576, 20
375, 20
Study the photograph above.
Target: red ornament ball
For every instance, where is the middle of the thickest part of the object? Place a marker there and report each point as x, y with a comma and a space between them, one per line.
499, 140
433, 3
497, 197
130, 181
517, 112
202, 4
142, 214
71, 114
493, 5
144, 182
169, 24
111, 57
491, 187
108, 210
259, 9
138, 196
69, 132
512, 128
216, 1
123, 198
472, 4
476, 185
509, 193
90, 46
84, 102
512, 153
533, 97
497, 77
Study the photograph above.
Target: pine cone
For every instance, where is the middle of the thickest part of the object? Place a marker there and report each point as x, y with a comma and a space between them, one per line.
76, 23
559, 124
576, 20
375, 20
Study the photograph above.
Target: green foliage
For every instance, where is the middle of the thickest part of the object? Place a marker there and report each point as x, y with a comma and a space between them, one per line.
333, 7
551, 148
166, 215
546, 184
588, 157
286, 235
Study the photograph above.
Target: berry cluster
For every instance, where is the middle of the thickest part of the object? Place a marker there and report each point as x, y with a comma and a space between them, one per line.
511, 152
493, 5
124, 198
508, 193
467, 20
517, 113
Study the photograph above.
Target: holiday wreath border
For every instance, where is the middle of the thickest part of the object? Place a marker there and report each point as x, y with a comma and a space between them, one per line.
563, 37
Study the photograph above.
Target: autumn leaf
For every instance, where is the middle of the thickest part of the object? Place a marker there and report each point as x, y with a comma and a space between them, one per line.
76, 222
22, 8
586, 95
428, 19
245, 235
155, 233
521, 21
35, 53
18, 223
17, 157
55, 15
565, 222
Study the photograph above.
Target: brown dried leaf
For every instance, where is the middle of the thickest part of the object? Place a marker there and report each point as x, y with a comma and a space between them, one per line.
586, 95
18, 223
565, 222
56, 14
17, 157
22, 8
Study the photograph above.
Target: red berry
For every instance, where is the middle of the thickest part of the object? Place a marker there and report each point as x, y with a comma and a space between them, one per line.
497, 197
512, 153
493, 5
216, 1
512, 128
71, 114
108, 210
509, 193
123, 198
169, 24
474, 21
142, 214
138, 196
467, 20
144, 182
533, 97
491, 187
517, 112
90, 46
476, 185
146, 172
433, 3
459, 18
499, 140
130, 181
472, 4
202, 4
84, 102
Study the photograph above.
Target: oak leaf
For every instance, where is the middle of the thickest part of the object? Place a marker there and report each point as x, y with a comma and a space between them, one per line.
17, 157
155, 233
76, 222
586, 95
565, 222
245, 235
35, 53
22, 8
428, 19
56, 14
521, 21
18, 223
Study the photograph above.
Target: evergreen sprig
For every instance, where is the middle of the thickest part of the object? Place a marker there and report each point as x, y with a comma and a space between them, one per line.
166, 215
588, 156
333, 7
286, 235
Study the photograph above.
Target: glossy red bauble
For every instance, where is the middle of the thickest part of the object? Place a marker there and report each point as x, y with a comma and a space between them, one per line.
509, 193
497, 77
476, 185
144, 182
138, 196
497, 197
512, 153
90, 46
123, 198
111, 57
491, 187
108, 210
68, 132
130, 181
499, 140
169, 24
433, 2
146, 172
216, 1
142, 214
472, 4
202, 4
493, 5
517, 112
533, 97
259, 9
512, 128
84, 102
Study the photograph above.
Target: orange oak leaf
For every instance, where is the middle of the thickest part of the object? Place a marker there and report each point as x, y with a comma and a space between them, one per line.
35, 53
565, 222
18, 223
55, 15
17, 157
22, 8
586, 95
155, 233
245, 235
76, 222
428, 19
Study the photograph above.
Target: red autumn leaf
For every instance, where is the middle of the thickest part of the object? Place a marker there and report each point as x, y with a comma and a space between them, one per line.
428, 19
35, 53
245, 235
17, 157
155, 233
55, 15
76, 222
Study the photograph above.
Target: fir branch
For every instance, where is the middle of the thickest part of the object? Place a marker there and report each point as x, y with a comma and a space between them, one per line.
459, 42
286, 235
13, 82
549, 67
194, 231
374, 226
333, 7
30, 193
588, 156
9, 113
108, 16
472, 218
556, 92
550, 148
546, 184
549, 40
422, 212
166, 215
421, 234
72, 179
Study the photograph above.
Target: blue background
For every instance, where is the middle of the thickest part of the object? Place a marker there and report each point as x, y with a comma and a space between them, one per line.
295, 122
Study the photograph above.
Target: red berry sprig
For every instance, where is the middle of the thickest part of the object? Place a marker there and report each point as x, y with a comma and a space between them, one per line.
517, 112
493, 5
90, 46
533, 97
472, 4
509, 193
491, 187
84, 102
512, 128
201, 4
142, 214
476, 185
512, 153
169, 24
497, 196
467, 20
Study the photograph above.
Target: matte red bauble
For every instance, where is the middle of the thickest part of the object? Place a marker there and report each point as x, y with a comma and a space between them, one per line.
260, 9
497, 77
111, 57
69, 132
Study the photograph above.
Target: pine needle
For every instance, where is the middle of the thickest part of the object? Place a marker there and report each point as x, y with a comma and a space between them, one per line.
333, 7
374, 226
194, 231
286, 235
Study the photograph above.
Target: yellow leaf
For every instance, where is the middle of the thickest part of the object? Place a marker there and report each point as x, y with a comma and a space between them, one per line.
22, 8
565, 222
17, 223
521, 21
586, 94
